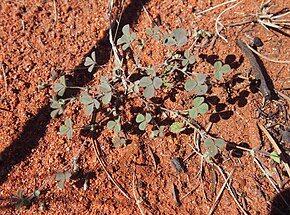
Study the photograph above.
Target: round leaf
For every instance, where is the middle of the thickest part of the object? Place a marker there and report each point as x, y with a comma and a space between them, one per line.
157, 82
220, 143
226, 68
140, 118
203, 108
111, 124
177, 127
190, 85
149, 92
145, 81
217, 65
208, 143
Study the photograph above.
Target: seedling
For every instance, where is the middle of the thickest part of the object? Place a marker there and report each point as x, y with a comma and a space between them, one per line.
220, 70
62, 177
143, 120
66, 129
213, 145
200, 107
20, 200
114, 124
90, 102
127, 39
198, 84
60, 87
91, 62
150, 85
159, 132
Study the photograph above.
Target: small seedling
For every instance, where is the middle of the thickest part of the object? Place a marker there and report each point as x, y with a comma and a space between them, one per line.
198, 84
114, 124
20, 200
127, 39
143, 120
275, 157
159, 132
150, 85
61, 177
177, 127
57, 105
90, 102
200, 107
66, 129
117, 141
91, 62
220, 70
213, 145
60, 87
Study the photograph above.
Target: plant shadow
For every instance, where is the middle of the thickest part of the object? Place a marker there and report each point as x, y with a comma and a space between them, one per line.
35, 128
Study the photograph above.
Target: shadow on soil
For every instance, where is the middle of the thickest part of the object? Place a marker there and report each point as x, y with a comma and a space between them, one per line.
35, 128
279, 207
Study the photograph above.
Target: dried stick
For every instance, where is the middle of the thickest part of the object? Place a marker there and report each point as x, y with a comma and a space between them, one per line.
267, 58
272, 182
108, 174
220, 194
216, 6
231, 191
219, 16
275, 145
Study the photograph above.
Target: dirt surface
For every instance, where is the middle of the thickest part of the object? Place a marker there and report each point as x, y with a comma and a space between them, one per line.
37, 37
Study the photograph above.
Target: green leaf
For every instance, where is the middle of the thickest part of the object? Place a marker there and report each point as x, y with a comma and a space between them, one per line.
177, 127
149, 31
149, 92
157, 82
89, 109
193, 112
212, 150
148, 117
220, 143
111, 124
107, 98
86, 99
218, 75
145, 81
187, 53
208, 143
203, 108
142, 126
198, 101
117, 127
275, 157
217, 65
180, 36
190, 85
140, 118
126, 30
225, 68
201, 89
